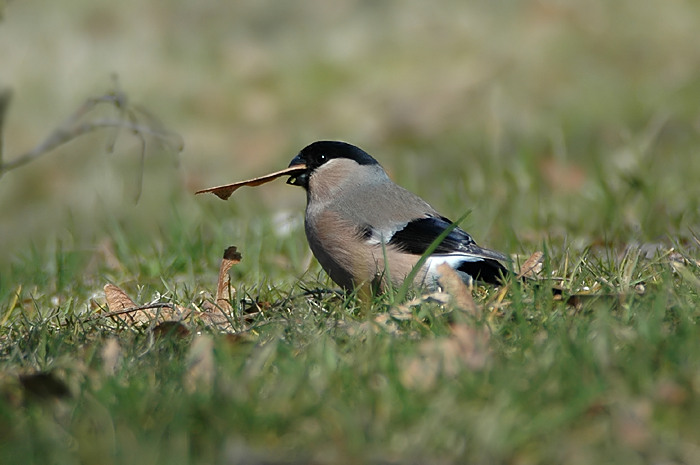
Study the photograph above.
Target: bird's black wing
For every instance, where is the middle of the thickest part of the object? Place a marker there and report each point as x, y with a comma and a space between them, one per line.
468, 258
417, 235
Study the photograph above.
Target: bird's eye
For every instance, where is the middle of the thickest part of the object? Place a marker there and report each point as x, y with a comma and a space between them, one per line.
322, 157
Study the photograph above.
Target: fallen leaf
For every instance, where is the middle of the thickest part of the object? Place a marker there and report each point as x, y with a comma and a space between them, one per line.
200, 363
225, 191
121, 306
117, 299
224, 292
219, 312
460, 295
532, 266
211, 315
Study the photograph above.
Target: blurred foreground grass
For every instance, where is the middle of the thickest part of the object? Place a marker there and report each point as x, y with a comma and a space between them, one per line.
564, 126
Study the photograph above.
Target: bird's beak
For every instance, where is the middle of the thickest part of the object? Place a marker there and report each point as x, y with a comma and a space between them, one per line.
297, 178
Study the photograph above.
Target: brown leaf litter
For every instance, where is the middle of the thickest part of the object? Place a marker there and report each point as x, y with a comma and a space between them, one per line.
123, 308
168, 318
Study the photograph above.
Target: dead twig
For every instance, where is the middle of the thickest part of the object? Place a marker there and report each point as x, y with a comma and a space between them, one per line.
62, 135
125, 311
135, 119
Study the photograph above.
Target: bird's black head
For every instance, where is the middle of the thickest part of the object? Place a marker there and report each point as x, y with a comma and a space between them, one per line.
320, 152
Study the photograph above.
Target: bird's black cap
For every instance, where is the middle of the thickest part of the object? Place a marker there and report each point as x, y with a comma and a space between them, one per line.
320, 152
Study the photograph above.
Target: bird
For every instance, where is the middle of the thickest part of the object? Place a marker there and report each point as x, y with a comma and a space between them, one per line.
366, 230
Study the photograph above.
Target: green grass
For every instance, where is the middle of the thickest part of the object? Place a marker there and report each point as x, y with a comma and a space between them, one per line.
565, 128
319, 380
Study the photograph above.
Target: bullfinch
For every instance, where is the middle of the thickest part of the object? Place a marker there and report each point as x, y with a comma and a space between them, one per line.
364, 229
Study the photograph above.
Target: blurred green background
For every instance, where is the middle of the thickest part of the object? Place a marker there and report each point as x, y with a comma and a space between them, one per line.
569, 121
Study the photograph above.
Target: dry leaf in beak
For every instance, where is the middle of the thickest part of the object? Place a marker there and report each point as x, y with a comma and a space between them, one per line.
225, 191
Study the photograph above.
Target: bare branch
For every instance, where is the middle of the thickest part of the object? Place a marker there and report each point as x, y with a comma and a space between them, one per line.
64, 134
134, 119
156, 305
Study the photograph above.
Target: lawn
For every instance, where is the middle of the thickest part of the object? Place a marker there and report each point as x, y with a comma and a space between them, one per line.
571, 129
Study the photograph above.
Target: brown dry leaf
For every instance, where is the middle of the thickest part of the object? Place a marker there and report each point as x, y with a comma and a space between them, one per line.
211, 315
200, 362
225, 191
455, 287
111, 354
121, 306
217, 313
532, 266
224, 292
117, 299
